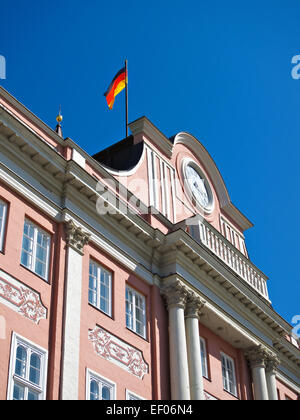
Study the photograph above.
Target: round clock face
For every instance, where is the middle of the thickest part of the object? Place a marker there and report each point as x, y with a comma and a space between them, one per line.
198, 187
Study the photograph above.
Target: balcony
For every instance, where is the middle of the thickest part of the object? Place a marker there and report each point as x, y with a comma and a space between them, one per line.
206, 234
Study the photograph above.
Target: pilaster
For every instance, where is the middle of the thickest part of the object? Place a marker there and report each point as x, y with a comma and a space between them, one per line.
76, 239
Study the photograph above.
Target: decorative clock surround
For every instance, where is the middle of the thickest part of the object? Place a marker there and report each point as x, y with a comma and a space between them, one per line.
197, 186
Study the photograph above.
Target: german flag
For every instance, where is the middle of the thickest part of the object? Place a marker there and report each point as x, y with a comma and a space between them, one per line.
116, 86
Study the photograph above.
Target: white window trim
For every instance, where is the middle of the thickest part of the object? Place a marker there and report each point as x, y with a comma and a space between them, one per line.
90, 375
42, 389
203, 343
3, 225
98, 293
135, 293
228, 358
136, 396
32, 267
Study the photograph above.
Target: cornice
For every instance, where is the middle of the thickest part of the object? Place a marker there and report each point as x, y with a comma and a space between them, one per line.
287, 351
26, 146
29, 115
147, 128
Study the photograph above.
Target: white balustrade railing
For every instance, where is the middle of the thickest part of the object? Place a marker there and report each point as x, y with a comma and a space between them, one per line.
230, 255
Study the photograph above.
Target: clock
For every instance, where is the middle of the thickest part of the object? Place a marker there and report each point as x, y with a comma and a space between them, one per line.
198, 186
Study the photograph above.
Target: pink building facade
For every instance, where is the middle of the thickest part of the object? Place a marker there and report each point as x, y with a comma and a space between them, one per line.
126, 275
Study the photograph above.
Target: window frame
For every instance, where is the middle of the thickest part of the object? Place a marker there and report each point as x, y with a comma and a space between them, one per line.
14, 378
205, 360
231, 360
135, 396
90, 376
31, 268
99, 269
135, 294
3, 224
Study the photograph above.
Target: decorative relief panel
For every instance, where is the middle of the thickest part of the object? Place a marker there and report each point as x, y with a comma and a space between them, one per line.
21, 298
118, 352
209, 397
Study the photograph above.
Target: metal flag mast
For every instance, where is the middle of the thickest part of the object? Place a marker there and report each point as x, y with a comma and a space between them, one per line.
126, 95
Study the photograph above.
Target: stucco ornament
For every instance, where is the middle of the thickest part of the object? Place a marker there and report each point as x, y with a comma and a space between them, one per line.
21, 299
76, 237
272, 363
261, 356
175, 294
194, 305
111, 348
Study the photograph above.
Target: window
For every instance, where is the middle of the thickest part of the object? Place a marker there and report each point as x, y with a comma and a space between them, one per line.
132, 396
3, 211
135, 312
204, 357
99, 388
27, 371
100, 288
229, 379
35, 249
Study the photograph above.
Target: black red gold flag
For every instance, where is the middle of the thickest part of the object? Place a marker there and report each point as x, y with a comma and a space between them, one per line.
117, 85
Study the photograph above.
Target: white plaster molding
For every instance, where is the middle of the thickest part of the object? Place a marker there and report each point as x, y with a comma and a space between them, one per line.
193, 144
78, 158
145, 127
21, 299
76, 240
115, 350
75, 236
209, 397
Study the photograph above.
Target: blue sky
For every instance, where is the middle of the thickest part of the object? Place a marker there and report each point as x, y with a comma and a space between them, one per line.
219, 70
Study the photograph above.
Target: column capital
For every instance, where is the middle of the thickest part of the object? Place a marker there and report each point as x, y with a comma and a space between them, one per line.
194, 305
257, 355
76, 238
272, 362
175, 294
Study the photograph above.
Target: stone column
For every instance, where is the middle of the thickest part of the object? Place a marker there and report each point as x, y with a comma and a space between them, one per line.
271, 369
257, 357
193, 308
76, 240
175, 295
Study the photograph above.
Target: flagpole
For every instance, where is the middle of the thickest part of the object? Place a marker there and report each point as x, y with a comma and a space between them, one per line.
126, 95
